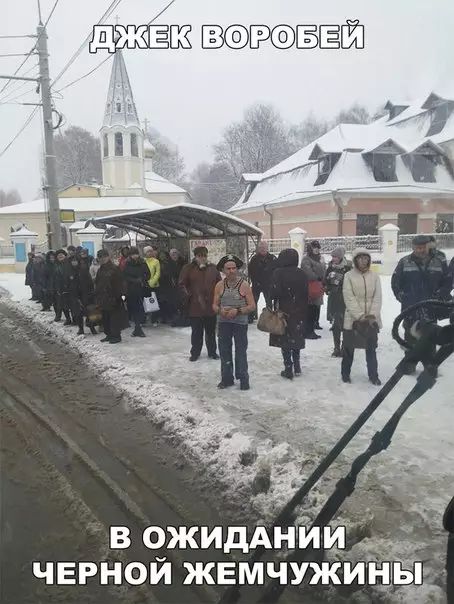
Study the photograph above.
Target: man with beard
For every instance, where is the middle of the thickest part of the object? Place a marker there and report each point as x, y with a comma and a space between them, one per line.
110, 287
136, 274
198, 280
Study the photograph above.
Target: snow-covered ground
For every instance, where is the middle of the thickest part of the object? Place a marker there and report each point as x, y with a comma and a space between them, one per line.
395, 513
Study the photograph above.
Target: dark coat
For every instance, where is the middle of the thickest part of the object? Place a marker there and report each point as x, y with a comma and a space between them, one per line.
416, 279
168, 281
80, 288
136, 274
29, 273
334, 278
260, 270
110, 286
198, 286
289, 291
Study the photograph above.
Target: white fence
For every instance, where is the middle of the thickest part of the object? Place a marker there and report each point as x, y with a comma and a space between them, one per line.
445, 241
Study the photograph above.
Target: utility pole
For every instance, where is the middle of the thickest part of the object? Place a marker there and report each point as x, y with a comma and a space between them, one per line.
54, 234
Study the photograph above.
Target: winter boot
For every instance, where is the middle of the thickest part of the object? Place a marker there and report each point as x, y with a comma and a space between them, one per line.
296, 363
138, 332
244, 384
223, 385
313, 336
80, 331
115, 340
288, 372
375, 381
346, 379
106, 339
336, 352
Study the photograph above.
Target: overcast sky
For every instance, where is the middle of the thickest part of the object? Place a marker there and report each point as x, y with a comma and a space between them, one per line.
191, 95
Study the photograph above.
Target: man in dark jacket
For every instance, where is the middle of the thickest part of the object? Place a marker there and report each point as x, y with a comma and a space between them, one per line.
334, 279
420, 276
260, 272
448, 523
38, 278
110, 287
80, 292
136, 274
197, 281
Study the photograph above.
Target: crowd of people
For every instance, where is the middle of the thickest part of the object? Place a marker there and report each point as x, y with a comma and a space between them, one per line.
219, 299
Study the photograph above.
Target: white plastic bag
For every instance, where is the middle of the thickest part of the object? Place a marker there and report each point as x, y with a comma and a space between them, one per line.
151, 304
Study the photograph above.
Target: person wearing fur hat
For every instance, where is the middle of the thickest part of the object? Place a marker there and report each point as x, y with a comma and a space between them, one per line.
334, 279
109, 291
233, 302
154, 266
197, 282
314, 267
362, 321
136, 274
289, 292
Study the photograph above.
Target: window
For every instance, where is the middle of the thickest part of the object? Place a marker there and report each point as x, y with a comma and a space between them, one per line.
129, 108
105, 145
439, 116
423, 168
118, 144
367, 224
134, 147
407, 223
326, 164
383, 166
118, 107
445, 223
108, 108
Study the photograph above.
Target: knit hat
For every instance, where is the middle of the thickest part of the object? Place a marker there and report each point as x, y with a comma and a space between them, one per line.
338, 252
201, 250
61, 251
229, 258
102, 253
288, 257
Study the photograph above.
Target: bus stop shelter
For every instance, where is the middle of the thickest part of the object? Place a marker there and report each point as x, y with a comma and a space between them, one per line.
184, 227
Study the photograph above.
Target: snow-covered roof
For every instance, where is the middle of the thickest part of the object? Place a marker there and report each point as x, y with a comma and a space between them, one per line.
85, 205
154, 183
23, 232
294, 178
90, 230
75, 226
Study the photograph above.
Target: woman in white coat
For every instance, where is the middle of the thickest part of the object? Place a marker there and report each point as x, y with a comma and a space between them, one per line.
362, 321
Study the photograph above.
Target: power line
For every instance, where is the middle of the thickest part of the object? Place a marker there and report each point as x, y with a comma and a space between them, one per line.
13, 54
21, 85
9, 101
27, 122
25, 36
51, 12
105, 16
111, 55
20, 67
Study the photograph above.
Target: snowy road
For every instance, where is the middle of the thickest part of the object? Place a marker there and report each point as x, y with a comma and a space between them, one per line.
395, 514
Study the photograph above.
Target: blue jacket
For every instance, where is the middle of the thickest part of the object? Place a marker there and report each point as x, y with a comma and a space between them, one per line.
416, 279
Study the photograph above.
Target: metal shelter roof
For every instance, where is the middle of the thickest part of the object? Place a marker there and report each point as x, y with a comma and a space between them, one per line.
181, 220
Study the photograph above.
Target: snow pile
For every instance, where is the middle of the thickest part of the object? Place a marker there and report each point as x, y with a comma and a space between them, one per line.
279, 430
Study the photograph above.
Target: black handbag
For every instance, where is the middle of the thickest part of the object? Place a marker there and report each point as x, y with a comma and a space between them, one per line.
364, 335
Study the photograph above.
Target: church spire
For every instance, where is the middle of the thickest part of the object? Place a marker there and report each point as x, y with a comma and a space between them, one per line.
120, 107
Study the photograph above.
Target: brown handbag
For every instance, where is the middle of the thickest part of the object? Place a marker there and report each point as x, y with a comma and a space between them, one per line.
272, 321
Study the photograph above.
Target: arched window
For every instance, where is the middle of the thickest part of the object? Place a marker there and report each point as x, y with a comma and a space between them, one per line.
105, 145
118, 144
118, 107
134, 147
129, 108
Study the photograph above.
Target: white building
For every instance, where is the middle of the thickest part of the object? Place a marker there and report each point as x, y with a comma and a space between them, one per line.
129, 182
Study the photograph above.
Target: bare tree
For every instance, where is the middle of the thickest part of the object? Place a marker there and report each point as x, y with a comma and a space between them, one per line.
307, 131
167, 161
9, 198
356, 114
213, 185
255, 144
78, 157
